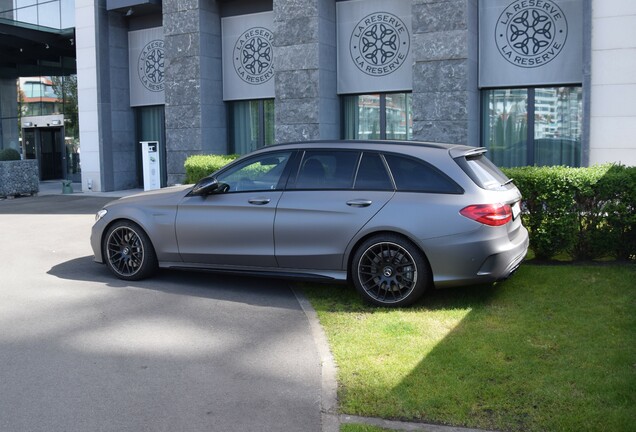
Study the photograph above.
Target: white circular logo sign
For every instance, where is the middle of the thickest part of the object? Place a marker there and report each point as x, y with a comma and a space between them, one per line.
253, 56
379, 44
531, 33
151, 64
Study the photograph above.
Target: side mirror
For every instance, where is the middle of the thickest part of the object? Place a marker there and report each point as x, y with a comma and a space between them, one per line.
205, 186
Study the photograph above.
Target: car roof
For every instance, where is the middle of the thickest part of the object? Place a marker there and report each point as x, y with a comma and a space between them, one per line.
381, 145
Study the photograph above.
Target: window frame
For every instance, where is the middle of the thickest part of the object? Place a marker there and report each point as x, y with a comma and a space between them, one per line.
531, 113
261, 139
382, 107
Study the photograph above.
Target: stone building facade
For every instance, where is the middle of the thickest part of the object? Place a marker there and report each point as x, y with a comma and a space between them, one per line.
306, 96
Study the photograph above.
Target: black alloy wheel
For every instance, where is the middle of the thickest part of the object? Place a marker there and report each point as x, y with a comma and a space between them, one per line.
390, 271
128, 251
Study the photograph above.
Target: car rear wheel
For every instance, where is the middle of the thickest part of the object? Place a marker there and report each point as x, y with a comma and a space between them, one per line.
128, 251
390, 271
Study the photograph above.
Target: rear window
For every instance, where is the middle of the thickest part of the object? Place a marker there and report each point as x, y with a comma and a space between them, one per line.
412, 175
484, 173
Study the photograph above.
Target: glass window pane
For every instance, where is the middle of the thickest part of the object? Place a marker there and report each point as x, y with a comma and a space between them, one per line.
251, 124
327, 170
350, 117
255, 174
68, 14
372, 174
505, 126
362, 117
484, 173
412, 175
557, 131
27, 15
398, 116
244, 126
23, 3
268, 109
49, 14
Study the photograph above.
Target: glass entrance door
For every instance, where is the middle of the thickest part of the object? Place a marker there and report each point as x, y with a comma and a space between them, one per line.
51, 154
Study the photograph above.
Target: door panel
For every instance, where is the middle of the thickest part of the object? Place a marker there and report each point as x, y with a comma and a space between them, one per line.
51, 155
313, 228
235, 227
228, 229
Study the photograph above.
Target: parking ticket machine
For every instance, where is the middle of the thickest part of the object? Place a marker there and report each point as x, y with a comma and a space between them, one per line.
151, 161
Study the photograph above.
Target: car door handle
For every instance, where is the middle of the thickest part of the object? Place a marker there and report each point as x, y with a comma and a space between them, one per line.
258, 201
359, 203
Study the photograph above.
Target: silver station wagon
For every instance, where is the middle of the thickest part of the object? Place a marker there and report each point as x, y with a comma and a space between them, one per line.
393, 218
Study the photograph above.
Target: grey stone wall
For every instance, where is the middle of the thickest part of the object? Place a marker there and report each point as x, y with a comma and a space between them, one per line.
116, 126
445, 87
306, 105
19, 177
195, 113
122, 119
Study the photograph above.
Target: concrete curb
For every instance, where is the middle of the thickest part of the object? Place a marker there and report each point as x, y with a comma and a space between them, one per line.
331, 420
403, 426
329, 383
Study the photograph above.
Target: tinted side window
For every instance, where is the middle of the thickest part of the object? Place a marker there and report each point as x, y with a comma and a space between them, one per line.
372, 174
418, 176
259, 173
327, 170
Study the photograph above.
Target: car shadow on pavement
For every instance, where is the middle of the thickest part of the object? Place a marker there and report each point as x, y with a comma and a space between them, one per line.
254, 290
54, 204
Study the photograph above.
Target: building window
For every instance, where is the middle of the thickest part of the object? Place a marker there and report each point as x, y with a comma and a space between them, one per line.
533, 126
377, 116
39, 96
251, 125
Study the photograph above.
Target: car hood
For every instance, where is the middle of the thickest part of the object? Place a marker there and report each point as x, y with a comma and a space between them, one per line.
166, 196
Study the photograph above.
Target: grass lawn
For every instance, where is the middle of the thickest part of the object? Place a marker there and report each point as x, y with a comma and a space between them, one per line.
553, 348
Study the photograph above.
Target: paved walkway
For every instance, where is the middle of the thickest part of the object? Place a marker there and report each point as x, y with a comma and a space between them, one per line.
184, 351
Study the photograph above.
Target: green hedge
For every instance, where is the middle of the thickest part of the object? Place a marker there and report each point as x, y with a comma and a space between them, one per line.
584, 213
199, 166
9, 154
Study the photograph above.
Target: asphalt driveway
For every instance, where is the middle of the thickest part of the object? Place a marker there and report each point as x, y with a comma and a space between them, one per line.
83, 351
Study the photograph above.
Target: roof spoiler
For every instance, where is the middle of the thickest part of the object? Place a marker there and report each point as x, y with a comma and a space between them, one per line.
464, 151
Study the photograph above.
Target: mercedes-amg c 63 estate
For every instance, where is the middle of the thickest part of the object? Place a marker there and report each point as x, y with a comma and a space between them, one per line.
393, 218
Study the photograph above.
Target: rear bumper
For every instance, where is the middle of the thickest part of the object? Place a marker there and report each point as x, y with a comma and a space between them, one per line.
502, 265
481, 257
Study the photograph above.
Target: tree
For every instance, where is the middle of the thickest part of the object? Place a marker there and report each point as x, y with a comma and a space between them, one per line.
65, 88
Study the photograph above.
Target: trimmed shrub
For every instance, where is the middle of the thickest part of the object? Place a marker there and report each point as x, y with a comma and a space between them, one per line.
9, 154
200, 166
586, 213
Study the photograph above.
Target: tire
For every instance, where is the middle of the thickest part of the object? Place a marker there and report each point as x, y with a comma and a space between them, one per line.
390, 271
128, 252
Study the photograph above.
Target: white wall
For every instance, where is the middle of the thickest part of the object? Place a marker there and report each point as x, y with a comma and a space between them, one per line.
86, 50
613, 96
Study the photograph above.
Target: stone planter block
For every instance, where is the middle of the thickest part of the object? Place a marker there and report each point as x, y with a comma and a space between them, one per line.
19, 177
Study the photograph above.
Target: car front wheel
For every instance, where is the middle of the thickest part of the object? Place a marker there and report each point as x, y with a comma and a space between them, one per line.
128, 251
390, 271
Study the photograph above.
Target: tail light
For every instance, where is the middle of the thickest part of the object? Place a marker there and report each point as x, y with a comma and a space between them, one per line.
488, 214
